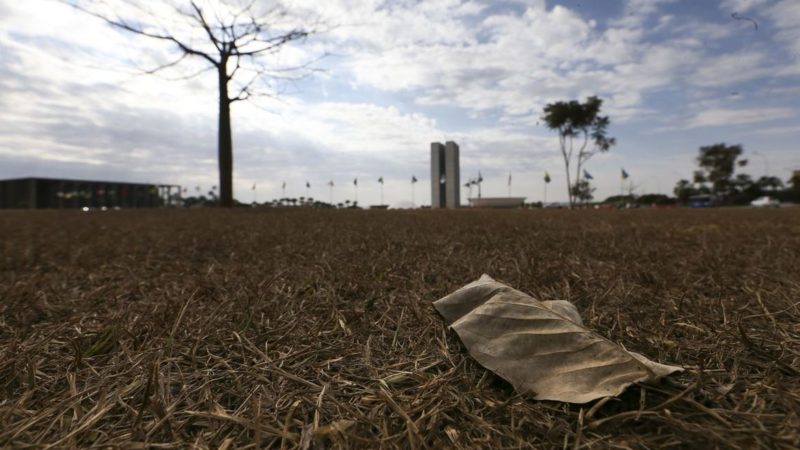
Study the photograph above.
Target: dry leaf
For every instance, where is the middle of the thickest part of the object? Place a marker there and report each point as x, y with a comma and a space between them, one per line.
542, 347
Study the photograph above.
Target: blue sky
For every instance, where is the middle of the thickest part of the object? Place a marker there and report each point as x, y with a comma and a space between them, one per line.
674, 75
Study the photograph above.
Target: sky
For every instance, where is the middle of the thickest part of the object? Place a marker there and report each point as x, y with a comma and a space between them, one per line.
390, 77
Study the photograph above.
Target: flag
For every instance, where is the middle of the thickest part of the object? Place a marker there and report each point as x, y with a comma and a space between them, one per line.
587, 175
546, 177
308, 185
624, 175
355, 181
254, 186
509, 179
330, 183
283, 186
380, 180
413, 179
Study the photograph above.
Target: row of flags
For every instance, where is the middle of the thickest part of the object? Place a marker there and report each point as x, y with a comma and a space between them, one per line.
332, 184
624, 175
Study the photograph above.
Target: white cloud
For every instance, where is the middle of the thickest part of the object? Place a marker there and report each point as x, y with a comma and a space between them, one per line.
786, 17
70, 97
727, 117
732, 68
546, 53
740, 5
791, 129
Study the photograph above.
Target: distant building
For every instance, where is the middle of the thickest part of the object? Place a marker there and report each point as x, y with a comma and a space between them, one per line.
497, 202
445, 175
701, 201
39, 193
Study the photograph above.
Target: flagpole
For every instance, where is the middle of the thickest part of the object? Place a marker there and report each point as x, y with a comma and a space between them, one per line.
381, 193
545, 194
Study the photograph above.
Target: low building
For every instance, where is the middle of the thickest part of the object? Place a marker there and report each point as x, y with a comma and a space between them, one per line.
702, 201
40, 193
497, 202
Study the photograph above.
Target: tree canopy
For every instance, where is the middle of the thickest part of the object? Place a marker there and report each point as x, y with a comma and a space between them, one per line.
582, 121
719, 174
717, 163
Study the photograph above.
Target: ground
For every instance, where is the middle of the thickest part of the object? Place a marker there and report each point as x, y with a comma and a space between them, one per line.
312, 329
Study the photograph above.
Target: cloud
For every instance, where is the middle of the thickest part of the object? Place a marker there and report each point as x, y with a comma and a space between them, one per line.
740, 5
791, 129
732, 68
728, 117
786, 17
405, 73
546, 53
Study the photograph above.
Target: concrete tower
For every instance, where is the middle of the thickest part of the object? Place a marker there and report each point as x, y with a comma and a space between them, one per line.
445, 175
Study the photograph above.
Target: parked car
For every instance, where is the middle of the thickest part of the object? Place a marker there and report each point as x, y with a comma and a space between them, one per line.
766, 202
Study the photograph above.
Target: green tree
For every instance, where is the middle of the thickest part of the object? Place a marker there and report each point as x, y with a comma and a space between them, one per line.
744, 183
654, 199
234, 38
795, 182
582, 191
573, 121
744, 189
683, 190
717, 165
768, 183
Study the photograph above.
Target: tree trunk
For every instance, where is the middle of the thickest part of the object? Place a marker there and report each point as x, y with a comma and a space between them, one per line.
577, 178
225, 144
566, 166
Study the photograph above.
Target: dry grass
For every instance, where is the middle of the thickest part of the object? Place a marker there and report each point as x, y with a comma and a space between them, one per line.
311, 329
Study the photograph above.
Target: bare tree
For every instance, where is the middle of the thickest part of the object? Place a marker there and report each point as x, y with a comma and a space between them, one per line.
233, 38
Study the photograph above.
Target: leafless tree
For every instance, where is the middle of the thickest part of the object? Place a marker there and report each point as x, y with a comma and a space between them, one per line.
235, 38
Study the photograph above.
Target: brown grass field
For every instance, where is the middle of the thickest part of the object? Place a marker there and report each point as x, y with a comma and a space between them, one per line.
314, 329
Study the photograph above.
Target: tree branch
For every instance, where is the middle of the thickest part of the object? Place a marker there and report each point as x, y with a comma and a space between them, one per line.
167, 65
191, 75
585, 141
200, 18
272, 43
121, 24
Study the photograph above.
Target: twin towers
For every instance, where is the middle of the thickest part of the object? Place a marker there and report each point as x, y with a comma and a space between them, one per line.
445, 179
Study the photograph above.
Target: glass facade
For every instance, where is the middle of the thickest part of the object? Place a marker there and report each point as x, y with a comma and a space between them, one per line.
44, 193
